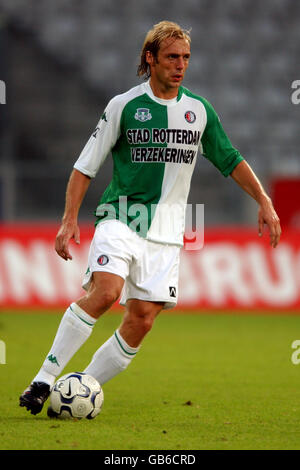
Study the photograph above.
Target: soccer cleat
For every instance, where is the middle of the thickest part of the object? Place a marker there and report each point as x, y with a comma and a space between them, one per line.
34, 397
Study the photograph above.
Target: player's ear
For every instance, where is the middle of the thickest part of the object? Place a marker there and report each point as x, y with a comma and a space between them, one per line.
149, 58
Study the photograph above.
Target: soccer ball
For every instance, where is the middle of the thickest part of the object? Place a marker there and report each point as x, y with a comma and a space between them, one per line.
76, 395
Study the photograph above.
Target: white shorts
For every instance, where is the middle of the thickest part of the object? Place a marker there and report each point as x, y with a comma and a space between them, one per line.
150, 269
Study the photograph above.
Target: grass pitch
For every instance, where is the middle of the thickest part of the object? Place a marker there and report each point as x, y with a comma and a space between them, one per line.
208, 381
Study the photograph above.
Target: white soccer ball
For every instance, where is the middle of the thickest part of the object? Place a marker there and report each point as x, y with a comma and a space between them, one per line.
76, 395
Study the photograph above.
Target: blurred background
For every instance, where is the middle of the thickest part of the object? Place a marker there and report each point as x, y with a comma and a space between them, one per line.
63, 60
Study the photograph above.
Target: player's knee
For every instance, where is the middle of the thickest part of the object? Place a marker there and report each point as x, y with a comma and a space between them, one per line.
107, 298
139, 325
140, 316
103, 300
143, 321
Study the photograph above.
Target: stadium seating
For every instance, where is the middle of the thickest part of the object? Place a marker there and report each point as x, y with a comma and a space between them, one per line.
245, 55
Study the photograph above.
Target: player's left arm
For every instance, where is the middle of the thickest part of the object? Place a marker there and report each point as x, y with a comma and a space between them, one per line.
245, 177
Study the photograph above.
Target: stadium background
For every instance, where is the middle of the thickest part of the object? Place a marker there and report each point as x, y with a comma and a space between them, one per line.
63, 60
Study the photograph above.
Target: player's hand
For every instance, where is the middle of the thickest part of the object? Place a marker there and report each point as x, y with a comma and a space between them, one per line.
67, 231
267, 215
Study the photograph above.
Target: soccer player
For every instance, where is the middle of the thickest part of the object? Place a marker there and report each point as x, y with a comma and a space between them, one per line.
154, 132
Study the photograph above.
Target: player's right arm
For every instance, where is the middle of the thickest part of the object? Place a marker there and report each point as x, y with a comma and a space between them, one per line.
86, 167
76, 189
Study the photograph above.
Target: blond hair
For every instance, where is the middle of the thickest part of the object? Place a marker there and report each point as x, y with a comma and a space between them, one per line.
153, 40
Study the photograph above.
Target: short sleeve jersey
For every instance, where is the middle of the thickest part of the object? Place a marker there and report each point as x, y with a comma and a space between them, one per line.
154, 144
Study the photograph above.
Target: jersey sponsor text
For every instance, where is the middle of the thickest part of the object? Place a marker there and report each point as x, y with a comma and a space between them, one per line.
163, 136
162, 155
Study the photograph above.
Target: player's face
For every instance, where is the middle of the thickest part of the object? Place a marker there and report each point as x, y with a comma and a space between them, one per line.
168, 68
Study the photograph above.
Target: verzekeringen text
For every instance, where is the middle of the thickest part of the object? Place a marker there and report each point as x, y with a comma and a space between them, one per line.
162, 155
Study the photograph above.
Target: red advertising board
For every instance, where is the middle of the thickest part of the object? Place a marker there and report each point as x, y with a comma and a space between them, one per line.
235, 269
286, 199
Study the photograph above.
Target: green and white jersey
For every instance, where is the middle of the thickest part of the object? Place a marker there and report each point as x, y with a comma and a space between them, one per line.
154, 145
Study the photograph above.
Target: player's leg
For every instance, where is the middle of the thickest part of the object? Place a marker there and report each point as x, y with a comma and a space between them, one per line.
77, 323
75, 328
138, 320
108, 261
150, 287
118, 351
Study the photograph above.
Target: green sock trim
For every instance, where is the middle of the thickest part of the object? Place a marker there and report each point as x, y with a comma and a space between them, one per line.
84, 321
127, 352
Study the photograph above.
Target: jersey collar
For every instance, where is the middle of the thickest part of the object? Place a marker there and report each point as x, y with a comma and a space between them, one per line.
161, 101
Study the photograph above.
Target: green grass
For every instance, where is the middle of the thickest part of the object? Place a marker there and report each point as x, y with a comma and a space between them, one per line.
206, 381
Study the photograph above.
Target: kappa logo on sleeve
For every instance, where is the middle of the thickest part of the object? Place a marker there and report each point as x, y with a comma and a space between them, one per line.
95, 132
103, 117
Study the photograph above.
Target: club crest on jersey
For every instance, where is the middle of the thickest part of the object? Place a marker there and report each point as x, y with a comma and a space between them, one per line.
102, 260
143, 114
190, 117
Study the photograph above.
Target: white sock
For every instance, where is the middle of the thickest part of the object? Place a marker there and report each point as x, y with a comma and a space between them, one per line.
74, 329
111, 358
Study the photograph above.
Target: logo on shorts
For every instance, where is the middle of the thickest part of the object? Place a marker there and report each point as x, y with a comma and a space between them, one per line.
190, 117
172, 291
102, 260
143, 114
